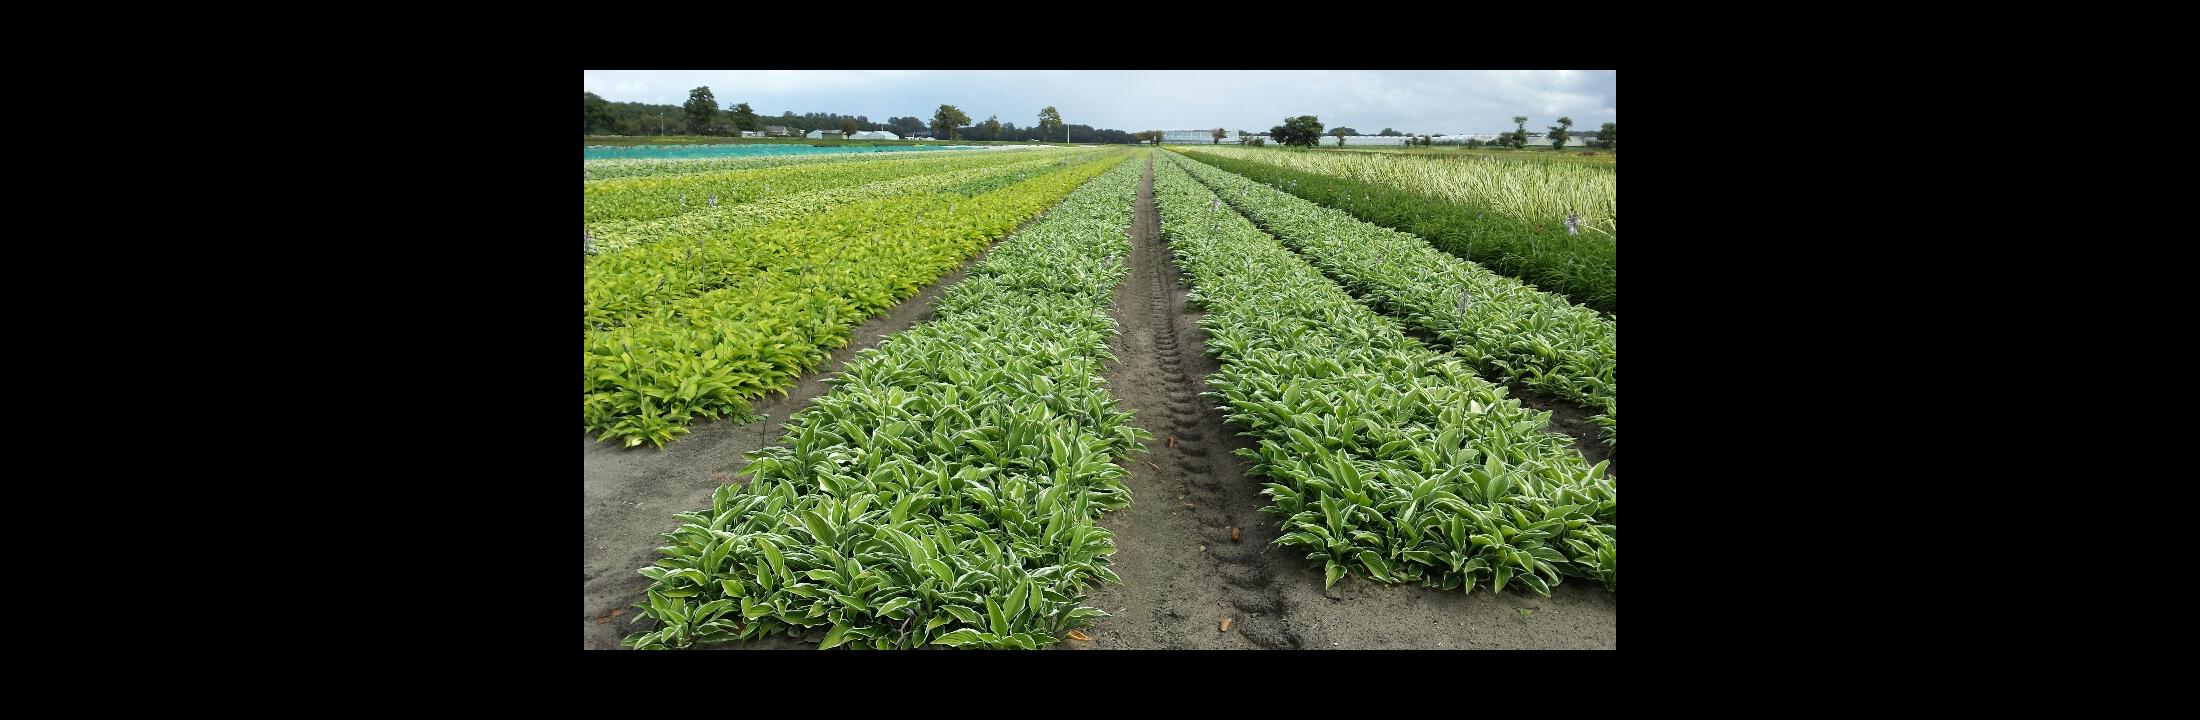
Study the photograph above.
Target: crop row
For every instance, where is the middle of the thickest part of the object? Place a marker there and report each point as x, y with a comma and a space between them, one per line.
611, 168
944, 492
649, 198
1503, 328
1431, 198
1385, 458
621, 286
708, 354
614, 238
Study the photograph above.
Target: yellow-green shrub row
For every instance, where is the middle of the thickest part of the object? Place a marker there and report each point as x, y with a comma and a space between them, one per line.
648, 198
708, 355
748, 247
614, 238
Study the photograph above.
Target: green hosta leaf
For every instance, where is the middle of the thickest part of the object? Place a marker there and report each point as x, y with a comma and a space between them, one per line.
959, 638
833, 638
1376, 567
1335, 571
893, 608
999, 618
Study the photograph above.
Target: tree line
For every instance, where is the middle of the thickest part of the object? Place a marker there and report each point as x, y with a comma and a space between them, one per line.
1306, 131
701, 115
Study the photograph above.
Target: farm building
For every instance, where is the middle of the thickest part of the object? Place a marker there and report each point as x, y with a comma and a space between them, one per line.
778, 131
1196, 137
874, 135
1365, 140
824, 135
752, 133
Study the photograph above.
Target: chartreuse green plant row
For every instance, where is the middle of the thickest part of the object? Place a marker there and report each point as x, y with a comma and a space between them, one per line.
1385, 458
1438, 199
710, 354
618, 287
943, 494
1503, 328
648, 198
607, 169
613, 237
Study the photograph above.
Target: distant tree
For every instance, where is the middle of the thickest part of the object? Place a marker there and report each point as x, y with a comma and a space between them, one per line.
1347, 131
1387, 132
1050, 120
993, 127
744, 118
847, 127
1559, 132
1340, 133
1303, 131
948, 121
905, 126
1219, 135
1520, 134
595, 114
701, 107
1608, 136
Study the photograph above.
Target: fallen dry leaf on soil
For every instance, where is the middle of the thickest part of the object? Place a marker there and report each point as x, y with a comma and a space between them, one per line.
1225, 625
1233, 534
606, 617
1156, 468
1172, 441
1076, 635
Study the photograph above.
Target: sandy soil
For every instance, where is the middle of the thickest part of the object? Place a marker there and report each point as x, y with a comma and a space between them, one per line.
1181, 573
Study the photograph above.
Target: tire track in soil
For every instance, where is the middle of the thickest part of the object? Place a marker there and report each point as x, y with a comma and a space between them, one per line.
1175, 592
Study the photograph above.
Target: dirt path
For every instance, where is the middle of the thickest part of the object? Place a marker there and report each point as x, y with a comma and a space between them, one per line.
1182, 575
632, 495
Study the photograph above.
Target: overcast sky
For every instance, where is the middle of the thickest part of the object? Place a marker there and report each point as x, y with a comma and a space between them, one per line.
1425, 102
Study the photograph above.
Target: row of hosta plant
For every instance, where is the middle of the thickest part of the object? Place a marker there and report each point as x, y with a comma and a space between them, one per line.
611, 238
1385, 458
1502, 327
1460, 207
610, 168
708, 355
943, 494
648, 198
618, 287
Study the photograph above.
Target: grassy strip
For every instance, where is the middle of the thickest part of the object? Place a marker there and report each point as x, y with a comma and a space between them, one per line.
1386, 458
1503, 328
944, 492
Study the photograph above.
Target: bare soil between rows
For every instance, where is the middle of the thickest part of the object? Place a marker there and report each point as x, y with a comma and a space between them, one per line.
1181, 573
